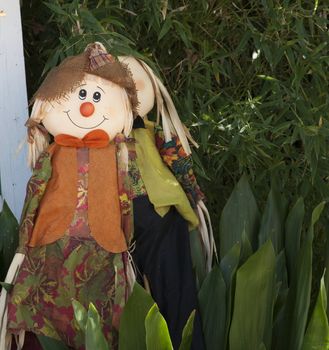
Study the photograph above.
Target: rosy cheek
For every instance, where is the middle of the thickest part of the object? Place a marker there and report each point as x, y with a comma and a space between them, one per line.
112, 111
140, 85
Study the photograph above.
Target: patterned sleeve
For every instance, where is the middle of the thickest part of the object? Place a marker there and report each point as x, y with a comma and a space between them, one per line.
34, 193
180, 164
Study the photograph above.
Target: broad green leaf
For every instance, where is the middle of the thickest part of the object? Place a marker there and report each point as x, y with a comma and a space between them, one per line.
294, 224
8, 239
292, 327
132, 324
316, 216
94, 336
281, 270
298, 301
281, 294
80, 314
326, 273
246, 249
240, 213
187, 335
212, 302
253, 304
317, 334
51, 344
228, 266
272, 223
157, 333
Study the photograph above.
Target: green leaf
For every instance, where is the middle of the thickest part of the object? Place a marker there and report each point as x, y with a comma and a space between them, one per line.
51, 344
182, 32
293, 230
317, 334
316, 216
132, 329
212, 302
7, 286
326, 273
240, 213
229, 265
157, 333
56, 8
281, 270
294, 319
246, 249
95, 338
51, 62
254, 299
165, 28
280, 296
90, 21
80, 314
272, 224
187, 335
8, 239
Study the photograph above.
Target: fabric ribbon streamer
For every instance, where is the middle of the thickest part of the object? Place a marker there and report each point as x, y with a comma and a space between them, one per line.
207, 234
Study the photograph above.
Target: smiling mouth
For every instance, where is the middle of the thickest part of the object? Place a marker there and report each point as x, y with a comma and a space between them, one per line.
83, 127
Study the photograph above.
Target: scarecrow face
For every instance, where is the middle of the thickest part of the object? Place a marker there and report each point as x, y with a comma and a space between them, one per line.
95, 104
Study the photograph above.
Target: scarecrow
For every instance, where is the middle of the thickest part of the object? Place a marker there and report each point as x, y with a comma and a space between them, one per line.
99, 193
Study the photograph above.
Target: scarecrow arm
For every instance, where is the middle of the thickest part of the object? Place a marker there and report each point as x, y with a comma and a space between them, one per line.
180, 164
35, 190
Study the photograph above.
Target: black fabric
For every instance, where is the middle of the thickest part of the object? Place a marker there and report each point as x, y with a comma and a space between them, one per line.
162, 254
138, 123
31, 342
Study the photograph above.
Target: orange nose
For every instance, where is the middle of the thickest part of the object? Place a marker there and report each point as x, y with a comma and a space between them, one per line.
87, 109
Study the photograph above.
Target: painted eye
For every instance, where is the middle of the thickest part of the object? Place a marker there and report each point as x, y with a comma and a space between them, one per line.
82, 94
97, 96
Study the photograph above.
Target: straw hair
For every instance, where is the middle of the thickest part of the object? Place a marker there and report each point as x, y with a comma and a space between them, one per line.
129, 120
38, 140
171, 122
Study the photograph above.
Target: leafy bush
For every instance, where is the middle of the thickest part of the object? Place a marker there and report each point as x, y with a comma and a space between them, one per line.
150, 328
259, 295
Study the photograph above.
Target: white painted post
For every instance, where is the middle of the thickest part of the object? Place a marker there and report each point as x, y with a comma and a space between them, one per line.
14, 172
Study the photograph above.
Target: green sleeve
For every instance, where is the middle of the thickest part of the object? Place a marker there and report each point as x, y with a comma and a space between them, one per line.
35, 190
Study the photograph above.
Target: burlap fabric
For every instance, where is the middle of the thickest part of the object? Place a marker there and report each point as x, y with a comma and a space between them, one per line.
70, 73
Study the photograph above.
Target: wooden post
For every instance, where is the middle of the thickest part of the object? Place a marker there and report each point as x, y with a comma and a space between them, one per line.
14, 171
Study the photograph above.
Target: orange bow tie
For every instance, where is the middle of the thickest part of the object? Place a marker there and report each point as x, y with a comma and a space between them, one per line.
94, 139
